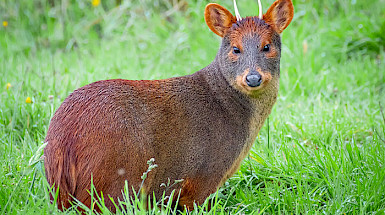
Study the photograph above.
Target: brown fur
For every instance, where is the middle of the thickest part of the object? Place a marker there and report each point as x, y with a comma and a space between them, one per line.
197, 127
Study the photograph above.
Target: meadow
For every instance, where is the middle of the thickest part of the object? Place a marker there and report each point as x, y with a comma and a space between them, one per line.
322, 150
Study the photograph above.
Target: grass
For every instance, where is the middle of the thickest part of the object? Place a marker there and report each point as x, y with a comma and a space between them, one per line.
321, 152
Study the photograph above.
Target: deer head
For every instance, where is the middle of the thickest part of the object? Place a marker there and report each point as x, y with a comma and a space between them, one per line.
249, 56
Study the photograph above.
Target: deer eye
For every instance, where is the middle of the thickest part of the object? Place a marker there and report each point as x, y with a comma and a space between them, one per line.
266, 48
236, 50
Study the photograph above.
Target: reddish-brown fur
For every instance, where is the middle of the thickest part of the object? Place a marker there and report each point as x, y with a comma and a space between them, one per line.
197, 127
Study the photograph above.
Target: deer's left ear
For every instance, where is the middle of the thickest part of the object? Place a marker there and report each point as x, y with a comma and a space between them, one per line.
280, 14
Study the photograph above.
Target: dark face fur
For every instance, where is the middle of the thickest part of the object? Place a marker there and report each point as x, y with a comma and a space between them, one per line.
250, 52
249, 55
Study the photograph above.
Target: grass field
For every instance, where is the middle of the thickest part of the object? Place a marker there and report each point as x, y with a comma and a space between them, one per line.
322, 151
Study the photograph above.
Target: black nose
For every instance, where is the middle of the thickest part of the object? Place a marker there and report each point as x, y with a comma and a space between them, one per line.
253, 79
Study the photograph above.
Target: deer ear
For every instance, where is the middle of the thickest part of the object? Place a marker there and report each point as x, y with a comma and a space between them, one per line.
280, 14
218, 19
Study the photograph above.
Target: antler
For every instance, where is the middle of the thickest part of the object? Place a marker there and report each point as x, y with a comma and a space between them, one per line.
239, 18
260, 9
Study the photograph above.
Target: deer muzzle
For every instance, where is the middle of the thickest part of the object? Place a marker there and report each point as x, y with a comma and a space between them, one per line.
253, 79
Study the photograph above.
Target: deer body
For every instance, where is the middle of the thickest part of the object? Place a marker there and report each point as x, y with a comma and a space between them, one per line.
198, 127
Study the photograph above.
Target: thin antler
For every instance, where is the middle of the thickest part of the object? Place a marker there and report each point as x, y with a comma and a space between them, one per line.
260, 9
239, 18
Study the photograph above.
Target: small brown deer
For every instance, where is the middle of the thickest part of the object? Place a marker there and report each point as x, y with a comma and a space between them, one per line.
197, 127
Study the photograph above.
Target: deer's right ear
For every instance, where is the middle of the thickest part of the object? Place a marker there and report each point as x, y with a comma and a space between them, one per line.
218, 19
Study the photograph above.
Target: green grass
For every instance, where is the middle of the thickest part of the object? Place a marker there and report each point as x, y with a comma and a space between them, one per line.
321, 152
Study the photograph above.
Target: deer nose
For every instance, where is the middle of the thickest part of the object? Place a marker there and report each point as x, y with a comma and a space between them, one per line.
253, 79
